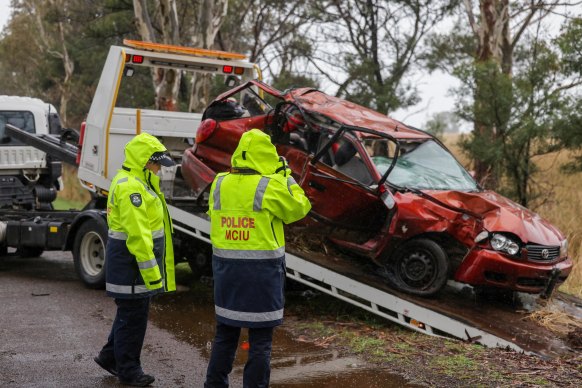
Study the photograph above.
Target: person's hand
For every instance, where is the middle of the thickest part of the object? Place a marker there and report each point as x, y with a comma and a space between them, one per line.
283, 168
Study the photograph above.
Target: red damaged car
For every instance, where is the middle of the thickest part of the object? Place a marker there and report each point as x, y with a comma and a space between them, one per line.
385, 191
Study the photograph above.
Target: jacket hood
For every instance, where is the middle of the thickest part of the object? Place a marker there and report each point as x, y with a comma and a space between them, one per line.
256, 151
503, 215
139, 150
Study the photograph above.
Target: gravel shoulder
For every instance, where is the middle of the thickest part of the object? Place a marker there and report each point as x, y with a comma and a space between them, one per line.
423, 360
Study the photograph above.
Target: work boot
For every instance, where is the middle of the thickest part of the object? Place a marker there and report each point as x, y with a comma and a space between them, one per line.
108, 366
139, 381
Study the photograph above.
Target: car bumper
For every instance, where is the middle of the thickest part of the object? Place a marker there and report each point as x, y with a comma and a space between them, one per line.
490, 268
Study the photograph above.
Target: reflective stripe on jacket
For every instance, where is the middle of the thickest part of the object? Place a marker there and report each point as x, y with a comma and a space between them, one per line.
247, 212
139, 254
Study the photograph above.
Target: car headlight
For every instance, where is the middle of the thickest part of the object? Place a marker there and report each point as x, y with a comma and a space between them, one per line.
502, 243
564, 248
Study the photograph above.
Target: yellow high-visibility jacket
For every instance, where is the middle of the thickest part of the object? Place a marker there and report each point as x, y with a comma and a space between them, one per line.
247, 209
139, 254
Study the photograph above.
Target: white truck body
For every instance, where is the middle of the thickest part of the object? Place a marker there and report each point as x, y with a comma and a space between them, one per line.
109, 128
32, 115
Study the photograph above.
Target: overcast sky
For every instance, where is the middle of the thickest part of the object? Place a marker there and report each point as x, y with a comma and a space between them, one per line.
4, 12
433, 89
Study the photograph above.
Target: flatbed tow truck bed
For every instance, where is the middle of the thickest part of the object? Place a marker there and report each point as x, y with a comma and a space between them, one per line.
454, 313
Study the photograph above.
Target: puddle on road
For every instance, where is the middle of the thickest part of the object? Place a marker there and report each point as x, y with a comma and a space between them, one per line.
190, 317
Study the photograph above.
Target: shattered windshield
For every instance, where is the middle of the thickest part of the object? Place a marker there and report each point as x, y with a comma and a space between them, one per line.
426, 166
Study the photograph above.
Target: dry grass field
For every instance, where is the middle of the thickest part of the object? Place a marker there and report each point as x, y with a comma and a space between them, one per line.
562, 207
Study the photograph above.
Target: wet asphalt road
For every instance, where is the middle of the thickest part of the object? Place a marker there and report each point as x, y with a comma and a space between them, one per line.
51, 327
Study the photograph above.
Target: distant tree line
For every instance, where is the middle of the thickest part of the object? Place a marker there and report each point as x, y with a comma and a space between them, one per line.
520, 83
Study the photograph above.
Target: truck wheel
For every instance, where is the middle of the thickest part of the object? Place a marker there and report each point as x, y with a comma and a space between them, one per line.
201, 264
89, 253
419, 267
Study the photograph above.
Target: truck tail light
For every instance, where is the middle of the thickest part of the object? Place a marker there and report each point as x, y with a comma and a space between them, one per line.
205, 130
80, 144
227, 69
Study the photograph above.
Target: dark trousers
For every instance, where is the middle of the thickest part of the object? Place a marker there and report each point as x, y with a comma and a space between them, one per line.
123, 347
257, 370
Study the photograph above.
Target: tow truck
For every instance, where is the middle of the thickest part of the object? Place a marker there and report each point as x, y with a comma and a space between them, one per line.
112, 122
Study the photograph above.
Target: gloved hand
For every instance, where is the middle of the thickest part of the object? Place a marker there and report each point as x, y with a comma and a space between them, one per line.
283, 169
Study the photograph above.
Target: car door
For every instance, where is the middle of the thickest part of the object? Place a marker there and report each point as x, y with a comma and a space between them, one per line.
341, 187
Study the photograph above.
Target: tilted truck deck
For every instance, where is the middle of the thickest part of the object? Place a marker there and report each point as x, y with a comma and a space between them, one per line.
110, 126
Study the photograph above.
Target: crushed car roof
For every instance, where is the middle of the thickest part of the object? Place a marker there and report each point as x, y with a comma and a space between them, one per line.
348, 113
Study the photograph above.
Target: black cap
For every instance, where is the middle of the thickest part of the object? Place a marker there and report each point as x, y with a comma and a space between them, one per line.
162, 158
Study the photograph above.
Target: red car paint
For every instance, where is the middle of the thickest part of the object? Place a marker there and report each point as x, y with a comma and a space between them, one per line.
395, 218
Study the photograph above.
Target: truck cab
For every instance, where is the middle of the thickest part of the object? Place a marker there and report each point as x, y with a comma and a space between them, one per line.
27, 176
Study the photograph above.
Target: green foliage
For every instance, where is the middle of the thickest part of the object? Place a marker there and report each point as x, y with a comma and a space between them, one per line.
570, 43
286, 80
567, 128
519, 115
370, 47
441, 123
30, 65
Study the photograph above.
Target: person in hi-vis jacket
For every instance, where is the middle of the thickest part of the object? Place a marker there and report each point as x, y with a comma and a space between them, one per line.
248, 207
139, 258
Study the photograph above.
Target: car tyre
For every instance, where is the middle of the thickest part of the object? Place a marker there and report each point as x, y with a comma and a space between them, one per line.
419, 267
89, 253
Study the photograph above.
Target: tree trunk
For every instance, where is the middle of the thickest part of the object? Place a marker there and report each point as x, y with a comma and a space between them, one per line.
493, 48
69, 68
210, 17
166, 81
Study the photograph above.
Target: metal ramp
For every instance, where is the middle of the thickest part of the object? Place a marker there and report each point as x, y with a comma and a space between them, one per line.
374, 300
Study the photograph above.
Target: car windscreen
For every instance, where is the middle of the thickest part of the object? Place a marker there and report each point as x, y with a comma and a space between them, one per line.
426, 166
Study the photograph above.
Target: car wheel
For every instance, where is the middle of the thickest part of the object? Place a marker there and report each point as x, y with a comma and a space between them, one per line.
89, 253
419, 267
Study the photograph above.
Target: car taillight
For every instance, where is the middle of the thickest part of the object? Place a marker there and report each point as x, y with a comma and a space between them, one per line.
205, 130
80, 144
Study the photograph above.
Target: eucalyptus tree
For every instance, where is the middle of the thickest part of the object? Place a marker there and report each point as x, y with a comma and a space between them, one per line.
54, 50
368, 48
278, 35
514, 86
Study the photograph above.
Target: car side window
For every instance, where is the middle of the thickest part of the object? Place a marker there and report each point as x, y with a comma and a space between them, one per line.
381, 152
349, 161
344, 157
